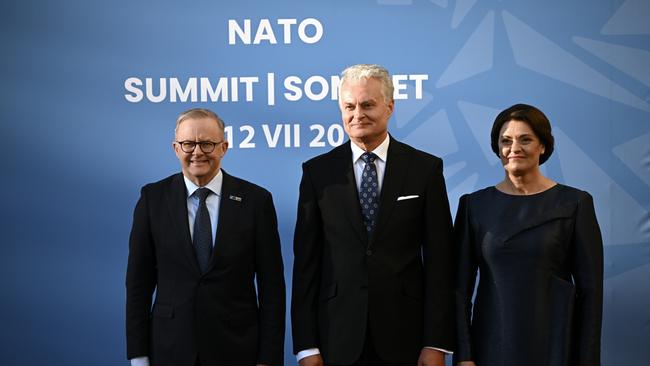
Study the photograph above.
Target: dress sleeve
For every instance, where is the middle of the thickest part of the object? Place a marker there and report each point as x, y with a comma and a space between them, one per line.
588, 277
465, 279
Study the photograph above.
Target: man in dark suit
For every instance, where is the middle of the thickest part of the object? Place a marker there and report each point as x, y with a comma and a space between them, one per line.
372, 275
200, 240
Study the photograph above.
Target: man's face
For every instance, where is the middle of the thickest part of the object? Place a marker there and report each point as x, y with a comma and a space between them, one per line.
364, 112
200, 167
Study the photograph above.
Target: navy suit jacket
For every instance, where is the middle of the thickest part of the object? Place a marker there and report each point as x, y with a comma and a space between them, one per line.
217, 316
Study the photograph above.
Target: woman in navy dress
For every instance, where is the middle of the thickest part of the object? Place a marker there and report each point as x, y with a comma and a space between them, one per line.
537, 248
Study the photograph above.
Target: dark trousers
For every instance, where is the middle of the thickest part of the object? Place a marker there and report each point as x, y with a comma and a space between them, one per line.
369, 356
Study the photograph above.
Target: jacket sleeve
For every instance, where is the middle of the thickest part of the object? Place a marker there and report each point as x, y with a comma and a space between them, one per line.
307, 250
439, 265
141, 279
465, 280
270, 284
588, 277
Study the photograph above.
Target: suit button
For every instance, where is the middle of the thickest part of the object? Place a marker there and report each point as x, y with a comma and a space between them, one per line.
368, 252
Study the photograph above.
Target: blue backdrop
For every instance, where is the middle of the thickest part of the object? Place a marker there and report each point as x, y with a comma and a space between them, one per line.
90, 91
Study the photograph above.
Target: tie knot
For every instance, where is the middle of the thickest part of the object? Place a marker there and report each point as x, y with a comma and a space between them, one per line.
368, 157
202, 193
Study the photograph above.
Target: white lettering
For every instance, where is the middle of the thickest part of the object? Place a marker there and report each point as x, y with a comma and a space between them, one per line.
335, 82
418, 83
287, 23
250, 132
221, 90
272, 141
264, 33
310, 31
296, 135
398, 85
399, 82
290, 85
324, 88
149, 88
175, 89
270, 88
234, 90
136, 93
234, 29
248, 82
317, 34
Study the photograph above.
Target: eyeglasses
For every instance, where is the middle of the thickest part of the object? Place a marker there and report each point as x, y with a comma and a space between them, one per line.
206, 146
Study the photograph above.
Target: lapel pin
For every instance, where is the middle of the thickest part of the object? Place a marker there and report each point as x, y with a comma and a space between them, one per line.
235, 198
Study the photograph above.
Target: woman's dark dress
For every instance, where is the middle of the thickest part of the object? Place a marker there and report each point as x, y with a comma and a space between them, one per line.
539, 298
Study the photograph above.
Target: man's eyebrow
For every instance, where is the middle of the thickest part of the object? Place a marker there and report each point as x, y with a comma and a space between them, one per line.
365, 101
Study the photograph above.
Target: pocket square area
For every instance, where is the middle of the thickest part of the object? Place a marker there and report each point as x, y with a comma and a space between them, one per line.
402, 198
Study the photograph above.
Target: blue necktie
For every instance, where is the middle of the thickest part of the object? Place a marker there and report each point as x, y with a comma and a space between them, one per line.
202, 231
369, 192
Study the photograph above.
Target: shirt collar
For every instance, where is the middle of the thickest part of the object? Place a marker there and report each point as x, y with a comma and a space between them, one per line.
381, 151
214, 185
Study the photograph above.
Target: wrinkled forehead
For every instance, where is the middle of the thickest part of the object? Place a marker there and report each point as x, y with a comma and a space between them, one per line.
198, 127
366, 89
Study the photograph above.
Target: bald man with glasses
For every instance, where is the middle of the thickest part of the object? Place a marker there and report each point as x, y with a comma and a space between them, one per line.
207, 244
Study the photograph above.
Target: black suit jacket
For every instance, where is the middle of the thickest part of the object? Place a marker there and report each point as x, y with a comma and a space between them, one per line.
213, 316
399, 282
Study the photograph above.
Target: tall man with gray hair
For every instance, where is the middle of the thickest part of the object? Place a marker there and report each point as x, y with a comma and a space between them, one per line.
373, 268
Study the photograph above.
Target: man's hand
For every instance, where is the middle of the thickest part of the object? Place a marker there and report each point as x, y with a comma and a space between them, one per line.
431, 357
313, 360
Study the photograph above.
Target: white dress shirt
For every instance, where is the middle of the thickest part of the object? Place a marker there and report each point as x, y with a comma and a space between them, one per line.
382, 153
212, 202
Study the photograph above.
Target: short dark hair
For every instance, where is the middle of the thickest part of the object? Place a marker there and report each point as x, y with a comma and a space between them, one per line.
534, 118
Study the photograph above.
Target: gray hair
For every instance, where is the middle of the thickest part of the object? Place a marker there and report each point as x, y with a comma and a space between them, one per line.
197, 113
360, 72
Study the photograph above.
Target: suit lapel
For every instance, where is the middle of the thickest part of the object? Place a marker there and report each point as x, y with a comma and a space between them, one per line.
177, 205
230, 205
397, 165
346, 194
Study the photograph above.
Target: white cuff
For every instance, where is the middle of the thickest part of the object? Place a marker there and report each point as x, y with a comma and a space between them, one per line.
304, 353
140, 361
441, 350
